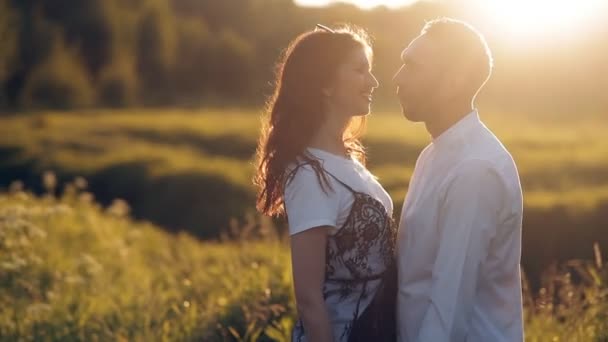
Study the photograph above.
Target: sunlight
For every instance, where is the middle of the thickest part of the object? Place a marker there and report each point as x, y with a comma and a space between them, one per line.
364, 4
518, 18
533, 17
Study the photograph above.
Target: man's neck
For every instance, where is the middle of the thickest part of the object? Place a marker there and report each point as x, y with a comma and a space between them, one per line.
446, 118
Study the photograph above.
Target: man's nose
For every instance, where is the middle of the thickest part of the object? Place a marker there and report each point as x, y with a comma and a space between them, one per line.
374, 81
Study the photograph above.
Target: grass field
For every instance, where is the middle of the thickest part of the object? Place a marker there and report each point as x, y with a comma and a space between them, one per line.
77, 270
191, 170
561, 162
72, 270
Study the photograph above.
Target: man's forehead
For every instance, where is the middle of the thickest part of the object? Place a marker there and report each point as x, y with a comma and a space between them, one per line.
419, 46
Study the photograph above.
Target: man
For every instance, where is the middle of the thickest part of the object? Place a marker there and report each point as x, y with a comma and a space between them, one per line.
459, 239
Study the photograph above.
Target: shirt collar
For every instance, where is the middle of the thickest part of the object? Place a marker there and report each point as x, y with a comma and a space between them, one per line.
457, 132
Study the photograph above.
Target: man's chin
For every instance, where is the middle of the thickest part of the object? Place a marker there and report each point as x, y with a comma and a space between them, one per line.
405, 112
408, 114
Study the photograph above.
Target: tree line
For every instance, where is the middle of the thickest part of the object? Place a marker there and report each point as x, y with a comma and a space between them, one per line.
119, 53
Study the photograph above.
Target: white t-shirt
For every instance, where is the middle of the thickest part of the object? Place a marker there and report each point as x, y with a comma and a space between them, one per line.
308, 206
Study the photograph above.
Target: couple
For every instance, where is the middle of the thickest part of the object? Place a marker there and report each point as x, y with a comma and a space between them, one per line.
450, 271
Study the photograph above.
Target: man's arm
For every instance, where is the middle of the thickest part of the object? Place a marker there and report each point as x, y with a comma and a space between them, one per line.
469, 215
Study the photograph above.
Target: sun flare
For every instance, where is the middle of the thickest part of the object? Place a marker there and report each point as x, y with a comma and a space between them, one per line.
533, 17
363, 4
515, 17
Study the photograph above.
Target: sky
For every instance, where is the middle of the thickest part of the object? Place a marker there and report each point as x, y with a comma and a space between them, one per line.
366, 4
517, 18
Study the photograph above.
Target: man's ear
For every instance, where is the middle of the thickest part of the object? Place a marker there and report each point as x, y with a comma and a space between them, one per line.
460, 81
445, 88
453, 85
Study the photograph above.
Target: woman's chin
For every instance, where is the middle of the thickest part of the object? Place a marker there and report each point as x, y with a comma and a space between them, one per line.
364, 111
362, 114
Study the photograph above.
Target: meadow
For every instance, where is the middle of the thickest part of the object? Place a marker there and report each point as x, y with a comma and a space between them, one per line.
563, 162
190, 170
73, 270
183, 256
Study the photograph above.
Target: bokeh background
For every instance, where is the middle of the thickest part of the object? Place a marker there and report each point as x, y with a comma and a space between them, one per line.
128, 127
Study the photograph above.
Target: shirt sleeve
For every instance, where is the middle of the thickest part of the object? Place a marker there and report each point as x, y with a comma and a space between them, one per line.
306, 203
469, 214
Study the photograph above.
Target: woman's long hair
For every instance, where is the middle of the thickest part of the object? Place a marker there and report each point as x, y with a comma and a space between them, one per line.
295, 111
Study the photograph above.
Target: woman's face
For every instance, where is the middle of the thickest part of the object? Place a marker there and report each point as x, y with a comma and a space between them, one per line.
350, 93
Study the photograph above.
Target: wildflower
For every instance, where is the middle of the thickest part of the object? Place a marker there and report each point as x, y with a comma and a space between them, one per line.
50, 181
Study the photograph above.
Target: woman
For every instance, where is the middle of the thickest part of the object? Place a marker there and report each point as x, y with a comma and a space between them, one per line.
311, 168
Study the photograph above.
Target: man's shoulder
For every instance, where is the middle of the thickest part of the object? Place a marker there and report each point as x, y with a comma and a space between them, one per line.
489, 147
425, 151
488, 157
474, 166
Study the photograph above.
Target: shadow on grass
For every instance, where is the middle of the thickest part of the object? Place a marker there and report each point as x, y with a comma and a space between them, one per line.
14, 166
197, 203
557, 234
553, 178
203, 204
72, 146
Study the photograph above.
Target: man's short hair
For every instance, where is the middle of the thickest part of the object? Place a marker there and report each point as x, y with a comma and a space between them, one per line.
463, 46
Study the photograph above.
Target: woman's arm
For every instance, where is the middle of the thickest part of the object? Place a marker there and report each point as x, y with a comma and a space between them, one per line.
308, 261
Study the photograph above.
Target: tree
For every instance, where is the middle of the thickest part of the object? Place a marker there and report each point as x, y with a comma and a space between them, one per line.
60, 82
155, 51
9, 36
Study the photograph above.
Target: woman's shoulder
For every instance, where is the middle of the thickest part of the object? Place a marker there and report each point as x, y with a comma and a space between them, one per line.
324, 166
307, 177
299, 171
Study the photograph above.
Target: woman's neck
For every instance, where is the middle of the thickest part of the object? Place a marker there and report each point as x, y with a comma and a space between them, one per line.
330, 135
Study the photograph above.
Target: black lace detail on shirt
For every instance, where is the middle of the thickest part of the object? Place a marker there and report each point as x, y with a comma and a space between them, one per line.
368, 226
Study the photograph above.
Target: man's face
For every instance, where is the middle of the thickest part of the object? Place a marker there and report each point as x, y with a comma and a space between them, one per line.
418, 79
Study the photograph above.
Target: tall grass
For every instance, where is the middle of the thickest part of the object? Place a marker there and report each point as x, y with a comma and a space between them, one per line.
73, 270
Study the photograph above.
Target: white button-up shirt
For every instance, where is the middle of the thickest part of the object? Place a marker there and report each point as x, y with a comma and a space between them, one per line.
459, 241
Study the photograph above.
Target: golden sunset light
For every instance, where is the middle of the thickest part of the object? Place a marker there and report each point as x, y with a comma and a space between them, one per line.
516, 18
364, 4
290, 170
545, 17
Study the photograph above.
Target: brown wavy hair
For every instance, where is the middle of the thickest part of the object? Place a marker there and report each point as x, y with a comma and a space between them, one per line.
295, 111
